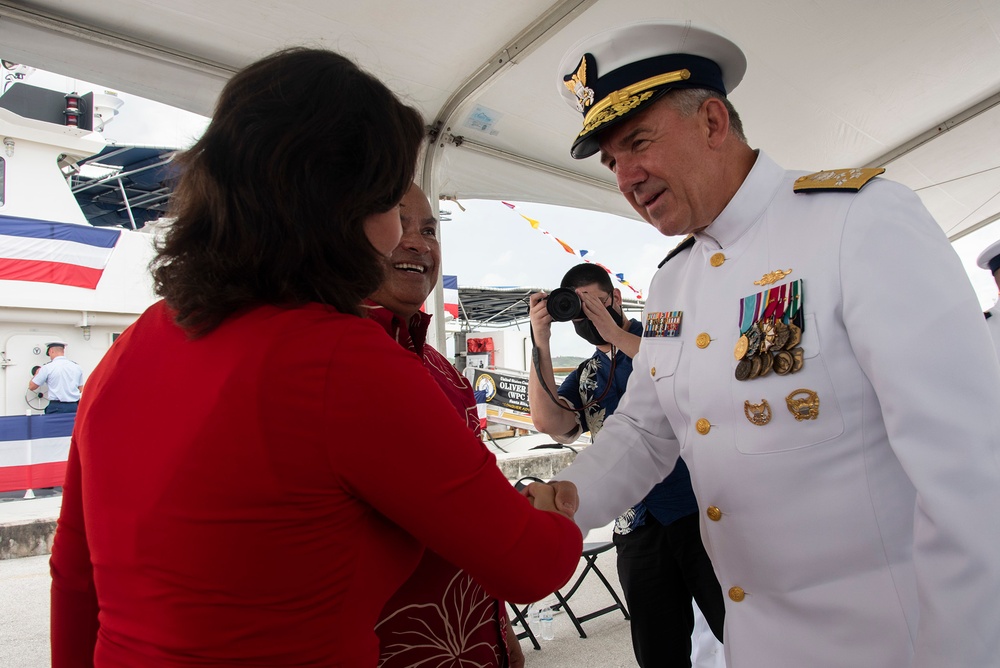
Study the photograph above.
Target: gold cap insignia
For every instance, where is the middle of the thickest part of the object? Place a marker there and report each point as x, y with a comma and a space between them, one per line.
577, 84
851, 180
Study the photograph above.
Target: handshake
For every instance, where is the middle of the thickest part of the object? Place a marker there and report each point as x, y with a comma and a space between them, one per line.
557, 496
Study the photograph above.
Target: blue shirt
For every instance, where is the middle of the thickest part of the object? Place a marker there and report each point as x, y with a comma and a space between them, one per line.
669, 500
64, 378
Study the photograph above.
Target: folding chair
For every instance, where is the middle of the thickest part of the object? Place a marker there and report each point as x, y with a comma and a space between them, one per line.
590, 553
519, 619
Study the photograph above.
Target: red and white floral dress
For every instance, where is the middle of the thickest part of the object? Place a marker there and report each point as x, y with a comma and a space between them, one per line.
440, 617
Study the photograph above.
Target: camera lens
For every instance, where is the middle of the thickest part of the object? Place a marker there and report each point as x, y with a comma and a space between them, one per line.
564, 304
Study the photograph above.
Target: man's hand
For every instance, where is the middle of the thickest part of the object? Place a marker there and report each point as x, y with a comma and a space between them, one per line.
559, 496
541, 321
567, 499
598, 314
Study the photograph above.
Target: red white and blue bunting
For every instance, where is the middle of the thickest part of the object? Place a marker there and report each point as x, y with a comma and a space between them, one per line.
582, 254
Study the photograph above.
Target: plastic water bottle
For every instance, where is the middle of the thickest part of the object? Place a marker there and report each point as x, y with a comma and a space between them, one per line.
533, 622
545, 622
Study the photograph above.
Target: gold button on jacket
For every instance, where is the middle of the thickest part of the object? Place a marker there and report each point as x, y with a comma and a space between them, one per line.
714, 513
770, 538
737, 594
703, 426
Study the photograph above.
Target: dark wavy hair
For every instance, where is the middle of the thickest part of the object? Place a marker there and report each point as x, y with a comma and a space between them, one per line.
271, 202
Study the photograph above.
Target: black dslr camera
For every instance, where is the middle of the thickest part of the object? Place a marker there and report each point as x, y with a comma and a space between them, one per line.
563, 304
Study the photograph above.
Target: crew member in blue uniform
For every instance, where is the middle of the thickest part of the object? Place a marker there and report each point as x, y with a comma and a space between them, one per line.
816, 355
64, 378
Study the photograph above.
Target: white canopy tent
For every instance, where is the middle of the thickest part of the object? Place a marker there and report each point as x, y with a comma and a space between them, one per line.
911, 85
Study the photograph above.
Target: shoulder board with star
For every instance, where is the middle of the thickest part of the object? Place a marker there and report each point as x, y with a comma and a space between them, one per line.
684, 245
849, 180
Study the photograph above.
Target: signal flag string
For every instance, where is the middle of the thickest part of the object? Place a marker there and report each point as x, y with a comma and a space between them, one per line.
569, 249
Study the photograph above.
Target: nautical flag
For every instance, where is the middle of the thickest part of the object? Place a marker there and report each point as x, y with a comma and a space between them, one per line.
43, 251
569, 249
451, 295
33, 450
566, 246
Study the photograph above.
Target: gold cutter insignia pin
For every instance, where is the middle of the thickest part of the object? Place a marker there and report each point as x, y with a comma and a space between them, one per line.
758, 414
803, 404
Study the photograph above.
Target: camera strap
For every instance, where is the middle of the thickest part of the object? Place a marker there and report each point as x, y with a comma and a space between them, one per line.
536, 362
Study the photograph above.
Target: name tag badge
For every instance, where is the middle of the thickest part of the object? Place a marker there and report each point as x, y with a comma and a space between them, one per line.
663, 324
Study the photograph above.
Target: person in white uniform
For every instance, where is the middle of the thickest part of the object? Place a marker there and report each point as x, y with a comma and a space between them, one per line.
64, 378
815, 353
989, 259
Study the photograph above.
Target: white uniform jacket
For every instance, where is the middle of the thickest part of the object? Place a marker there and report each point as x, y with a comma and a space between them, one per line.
869, 535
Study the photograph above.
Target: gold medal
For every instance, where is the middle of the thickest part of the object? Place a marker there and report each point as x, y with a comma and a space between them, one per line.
781, 334
798, 359
741, 347
783, 362
767, 335
766, 361
794, 336
743, 369
753, 338
758, 414
803, 404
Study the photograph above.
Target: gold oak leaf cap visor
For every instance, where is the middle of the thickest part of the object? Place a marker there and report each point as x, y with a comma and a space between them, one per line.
613, 74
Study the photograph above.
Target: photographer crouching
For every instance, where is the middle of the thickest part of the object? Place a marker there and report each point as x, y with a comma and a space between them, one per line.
662, 563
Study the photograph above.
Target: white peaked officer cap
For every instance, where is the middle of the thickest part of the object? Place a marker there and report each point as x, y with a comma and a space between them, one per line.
620, 71
990, 258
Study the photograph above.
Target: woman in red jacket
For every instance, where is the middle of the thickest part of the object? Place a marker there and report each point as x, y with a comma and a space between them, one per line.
242, 488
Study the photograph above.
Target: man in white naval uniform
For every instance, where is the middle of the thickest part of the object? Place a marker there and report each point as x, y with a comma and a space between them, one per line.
989, 259
848, 485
